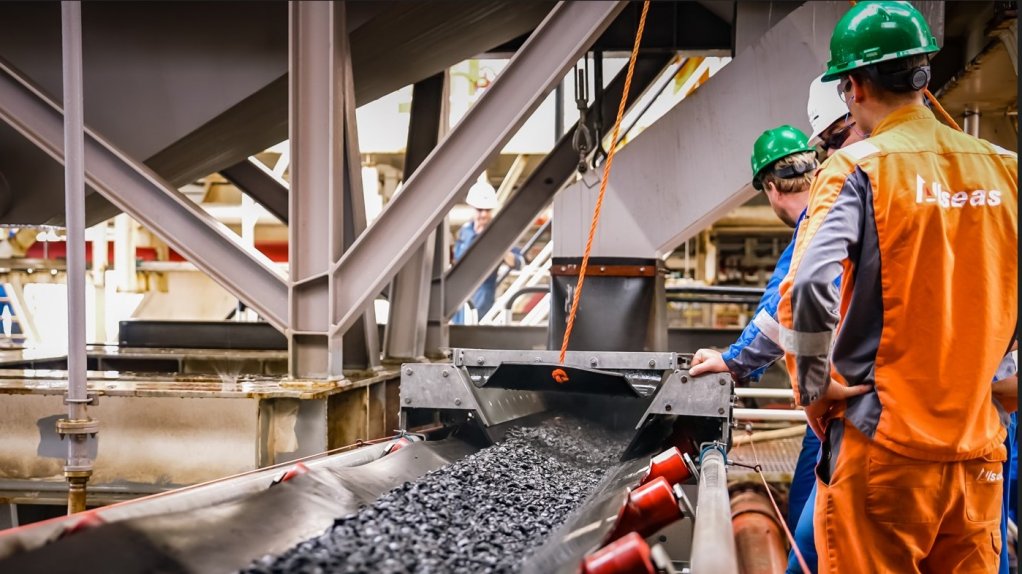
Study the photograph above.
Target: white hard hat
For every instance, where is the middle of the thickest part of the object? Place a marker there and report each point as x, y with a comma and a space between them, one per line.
825, 107
482, 195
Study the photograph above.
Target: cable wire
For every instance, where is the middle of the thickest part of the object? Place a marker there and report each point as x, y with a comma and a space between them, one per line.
777, 510
603, 184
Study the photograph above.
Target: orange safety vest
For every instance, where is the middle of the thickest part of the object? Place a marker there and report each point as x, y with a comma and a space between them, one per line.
921, 222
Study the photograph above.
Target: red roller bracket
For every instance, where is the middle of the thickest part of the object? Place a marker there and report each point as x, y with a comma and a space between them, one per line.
628, 555
669, 465
649, 508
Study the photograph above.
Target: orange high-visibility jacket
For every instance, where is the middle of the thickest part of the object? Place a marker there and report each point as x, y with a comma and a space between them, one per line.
921, 221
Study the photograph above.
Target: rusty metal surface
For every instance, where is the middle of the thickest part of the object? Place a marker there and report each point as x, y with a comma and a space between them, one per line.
162, 431
21, 354
226, 385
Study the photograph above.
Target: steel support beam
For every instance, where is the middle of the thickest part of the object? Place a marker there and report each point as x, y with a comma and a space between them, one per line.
361, 341
538, 190
137, 190
405, 336
688, 169
445, 176
317, 212
438, 332
260, 184
261, 120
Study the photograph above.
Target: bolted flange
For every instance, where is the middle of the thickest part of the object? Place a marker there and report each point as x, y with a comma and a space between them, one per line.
72, 427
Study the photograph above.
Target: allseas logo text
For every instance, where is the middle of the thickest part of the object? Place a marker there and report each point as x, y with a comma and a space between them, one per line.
935, 193
989, 476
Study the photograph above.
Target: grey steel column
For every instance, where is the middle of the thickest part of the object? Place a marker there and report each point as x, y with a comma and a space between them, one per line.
316, 223
971, 123
405, 337
438, 332
446, 175
361, 341
77, 426
713, 541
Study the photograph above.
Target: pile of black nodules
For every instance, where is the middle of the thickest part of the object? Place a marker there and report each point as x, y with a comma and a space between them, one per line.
485, 513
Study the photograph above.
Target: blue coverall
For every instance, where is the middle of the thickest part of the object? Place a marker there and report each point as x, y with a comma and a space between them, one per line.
484, 297
754, 351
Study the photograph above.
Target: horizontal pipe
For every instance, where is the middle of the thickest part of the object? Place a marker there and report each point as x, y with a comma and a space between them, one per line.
768, 415
715, 290
765, 393
713, 542
789, 432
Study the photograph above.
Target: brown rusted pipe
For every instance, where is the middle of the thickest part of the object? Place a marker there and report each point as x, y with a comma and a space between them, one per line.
77, 480
759, 540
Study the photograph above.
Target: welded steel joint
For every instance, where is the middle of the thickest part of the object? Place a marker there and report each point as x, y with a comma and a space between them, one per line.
77, 430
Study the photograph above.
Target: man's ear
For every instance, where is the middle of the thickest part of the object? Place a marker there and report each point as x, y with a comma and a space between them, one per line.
861, 89
769, 187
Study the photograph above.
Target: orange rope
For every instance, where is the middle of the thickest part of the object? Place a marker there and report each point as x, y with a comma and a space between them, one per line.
933, 101
940, 109
603, 184
780, 517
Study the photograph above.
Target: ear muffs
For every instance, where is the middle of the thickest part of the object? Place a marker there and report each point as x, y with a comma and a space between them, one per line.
919, 78
911, 80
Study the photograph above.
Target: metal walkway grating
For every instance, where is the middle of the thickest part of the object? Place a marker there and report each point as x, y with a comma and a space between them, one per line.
777, 456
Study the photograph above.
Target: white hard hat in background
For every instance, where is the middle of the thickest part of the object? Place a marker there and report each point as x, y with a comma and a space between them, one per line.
482, 195
825, 107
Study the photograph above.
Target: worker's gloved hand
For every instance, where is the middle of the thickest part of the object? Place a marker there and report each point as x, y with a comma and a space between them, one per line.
707, 361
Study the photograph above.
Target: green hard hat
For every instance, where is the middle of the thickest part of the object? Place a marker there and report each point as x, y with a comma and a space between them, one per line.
775, 144
873, 32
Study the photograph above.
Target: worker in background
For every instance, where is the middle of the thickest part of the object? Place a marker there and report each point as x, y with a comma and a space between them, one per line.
483, 198
757, 347
894, 371
783, 164
1005, 391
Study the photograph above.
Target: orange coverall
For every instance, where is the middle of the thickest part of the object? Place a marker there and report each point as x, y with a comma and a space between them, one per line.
921, 222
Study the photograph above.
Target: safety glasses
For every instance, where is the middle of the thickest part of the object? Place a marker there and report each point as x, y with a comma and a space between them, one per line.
837, 138
843, 87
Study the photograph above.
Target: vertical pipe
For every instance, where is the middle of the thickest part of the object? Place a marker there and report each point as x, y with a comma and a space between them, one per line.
972, 122
559, 112
713, 542
79, 466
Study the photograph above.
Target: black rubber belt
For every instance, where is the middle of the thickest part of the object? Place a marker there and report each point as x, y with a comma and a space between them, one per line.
229, 536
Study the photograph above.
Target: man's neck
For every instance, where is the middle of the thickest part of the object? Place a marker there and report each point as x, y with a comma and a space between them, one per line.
882, 109
797, 212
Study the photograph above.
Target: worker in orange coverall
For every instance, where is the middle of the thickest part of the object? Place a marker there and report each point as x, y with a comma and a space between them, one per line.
921, 223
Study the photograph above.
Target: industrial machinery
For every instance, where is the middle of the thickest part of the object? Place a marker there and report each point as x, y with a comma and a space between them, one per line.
659, 502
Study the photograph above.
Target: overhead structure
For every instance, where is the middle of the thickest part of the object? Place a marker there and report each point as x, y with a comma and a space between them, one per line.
192, 116
150, 199
665, 188
444, 177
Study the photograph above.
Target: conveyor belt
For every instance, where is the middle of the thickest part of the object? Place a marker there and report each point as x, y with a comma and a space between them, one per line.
437, 506
226, 537
485, 513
